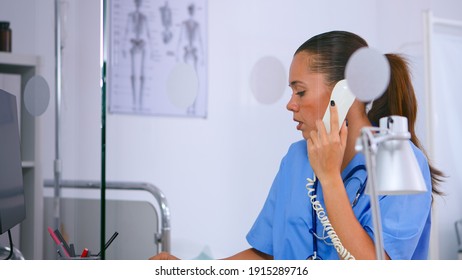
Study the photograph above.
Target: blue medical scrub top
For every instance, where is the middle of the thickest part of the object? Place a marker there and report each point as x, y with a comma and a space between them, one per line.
282, 229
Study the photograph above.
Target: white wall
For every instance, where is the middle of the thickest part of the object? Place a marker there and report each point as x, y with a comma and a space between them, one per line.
215, 172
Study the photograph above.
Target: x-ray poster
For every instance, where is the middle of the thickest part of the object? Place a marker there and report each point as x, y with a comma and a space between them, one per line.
158, 57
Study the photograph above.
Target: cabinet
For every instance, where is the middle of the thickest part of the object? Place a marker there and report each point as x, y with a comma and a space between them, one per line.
31, 229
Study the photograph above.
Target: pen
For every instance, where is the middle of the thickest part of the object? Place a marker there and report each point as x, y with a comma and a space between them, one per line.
109, 242
61, 249
72, 251
63, 241
58, 242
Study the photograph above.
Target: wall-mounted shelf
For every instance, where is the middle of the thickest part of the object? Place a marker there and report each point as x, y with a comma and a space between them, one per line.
12, 60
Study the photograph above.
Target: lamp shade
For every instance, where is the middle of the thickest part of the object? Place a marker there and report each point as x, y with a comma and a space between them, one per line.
397, 170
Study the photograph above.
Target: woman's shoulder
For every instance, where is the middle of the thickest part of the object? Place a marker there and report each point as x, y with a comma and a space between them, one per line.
299, 145
296, 160
422, 161
297, 151
297, 148
419, 154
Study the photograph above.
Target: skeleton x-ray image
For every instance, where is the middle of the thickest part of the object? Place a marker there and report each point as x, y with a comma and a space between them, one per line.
166, 18
151, 44
190, 48
137, 39
190, 42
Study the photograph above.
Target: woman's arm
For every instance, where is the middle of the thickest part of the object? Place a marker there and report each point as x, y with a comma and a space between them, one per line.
326, 153
351, 233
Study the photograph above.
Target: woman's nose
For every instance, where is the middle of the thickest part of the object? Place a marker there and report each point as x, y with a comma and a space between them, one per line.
292, 105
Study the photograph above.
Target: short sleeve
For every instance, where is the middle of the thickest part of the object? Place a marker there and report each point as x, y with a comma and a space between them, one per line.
260, 235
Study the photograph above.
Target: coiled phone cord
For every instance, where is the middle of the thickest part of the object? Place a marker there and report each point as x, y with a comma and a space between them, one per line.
322, 216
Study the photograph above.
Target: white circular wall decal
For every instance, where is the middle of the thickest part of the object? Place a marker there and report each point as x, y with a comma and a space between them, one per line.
268, 80
367, 74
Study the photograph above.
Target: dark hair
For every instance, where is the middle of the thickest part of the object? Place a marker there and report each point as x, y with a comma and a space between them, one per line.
399, 99
330, 52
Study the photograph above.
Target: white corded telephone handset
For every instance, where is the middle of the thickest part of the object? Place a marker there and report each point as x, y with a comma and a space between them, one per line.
343, 98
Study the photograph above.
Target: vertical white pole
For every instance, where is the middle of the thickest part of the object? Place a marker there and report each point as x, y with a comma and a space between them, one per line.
428, 32
57, 161
428, 24
375, 207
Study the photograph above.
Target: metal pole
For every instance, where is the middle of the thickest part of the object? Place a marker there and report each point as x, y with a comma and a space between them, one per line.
58, 77
375, 207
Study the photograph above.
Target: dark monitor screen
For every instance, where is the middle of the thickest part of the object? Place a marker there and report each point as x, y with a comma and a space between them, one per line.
12, 200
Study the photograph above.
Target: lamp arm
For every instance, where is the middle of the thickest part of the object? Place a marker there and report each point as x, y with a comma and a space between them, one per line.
369, 148
393, 136
376, 135
368, 134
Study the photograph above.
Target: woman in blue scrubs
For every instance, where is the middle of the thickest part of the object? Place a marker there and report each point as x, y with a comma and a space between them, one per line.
287, 226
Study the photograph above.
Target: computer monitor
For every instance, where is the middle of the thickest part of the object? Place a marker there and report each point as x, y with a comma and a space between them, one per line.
12, 200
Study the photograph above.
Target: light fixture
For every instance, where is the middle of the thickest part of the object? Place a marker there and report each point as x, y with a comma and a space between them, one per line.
395, 156
390, 162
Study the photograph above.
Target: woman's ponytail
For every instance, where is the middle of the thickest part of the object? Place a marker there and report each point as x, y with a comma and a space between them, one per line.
399, 99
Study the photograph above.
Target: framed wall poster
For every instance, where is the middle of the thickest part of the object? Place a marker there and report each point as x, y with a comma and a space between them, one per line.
158, 57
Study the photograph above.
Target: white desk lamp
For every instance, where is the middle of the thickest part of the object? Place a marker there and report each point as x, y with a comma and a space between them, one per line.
390, 162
